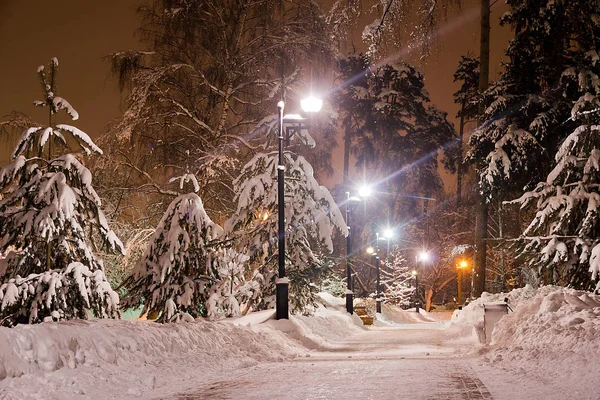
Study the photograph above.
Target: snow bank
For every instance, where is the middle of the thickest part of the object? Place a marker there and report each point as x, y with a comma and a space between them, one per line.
124, 359
554, 333
102, 357
394, 316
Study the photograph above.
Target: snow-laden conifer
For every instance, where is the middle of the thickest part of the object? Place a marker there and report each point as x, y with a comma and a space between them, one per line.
176, 275
564, 235
528, 109
397, 280
51, 225
394, 130
311, 217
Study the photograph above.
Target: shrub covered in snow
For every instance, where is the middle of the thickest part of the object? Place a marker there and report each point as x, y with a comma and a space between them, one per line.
52, 224
180, 264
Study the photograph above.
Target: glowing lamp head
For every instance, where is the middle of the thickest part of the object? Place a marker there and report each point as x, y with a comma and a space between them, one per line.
364, 191
414, 272
424, 257
388, 233
370, 250
311, 104
463, 264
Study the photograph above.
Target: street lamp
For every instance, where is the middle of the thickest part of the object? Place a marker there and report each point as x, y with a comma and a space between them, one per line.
423, 257
349, 291
363, 192
416, 275
375, 252
309, 105
460, 266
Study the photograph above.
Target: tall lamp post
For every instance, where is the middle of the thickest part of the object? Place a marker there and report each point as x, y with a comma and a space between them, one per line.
309, 105
374, 252
349, 291
416, 275
350, 202
422, 258
460, 267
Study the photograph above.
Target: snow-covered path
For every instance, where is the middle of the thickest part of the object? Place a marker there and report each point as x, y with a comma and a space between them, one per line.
381, 363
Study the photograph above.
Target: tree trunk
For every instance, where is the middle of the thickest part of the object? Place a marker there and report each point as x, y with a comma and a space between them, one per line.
459, 166
347, 139
428, 298
481, 209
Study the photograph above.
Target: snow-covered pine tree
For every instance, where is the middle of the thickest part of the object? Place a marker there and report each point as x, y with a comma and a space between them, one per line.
50, 217
565, 232
396, 131
528, 110
173, 279
397, 279
311, 217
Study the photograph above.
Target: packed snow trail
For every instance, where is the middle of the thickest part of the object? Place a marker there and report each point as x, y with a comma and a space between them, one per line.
408, 362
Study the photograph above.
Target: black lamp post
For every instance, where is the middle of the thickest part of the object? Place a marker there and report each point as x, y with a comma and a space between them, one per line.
349, 292
282, 284
309, 105
378, 292
416, 275
377, 265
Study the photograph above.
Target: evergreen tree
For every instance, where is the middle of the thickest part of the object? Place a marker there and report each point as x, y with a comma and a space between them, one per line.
397, 279
396, 131
565, 232
173, 279
311, 217
50, 216
528, 112
529, 109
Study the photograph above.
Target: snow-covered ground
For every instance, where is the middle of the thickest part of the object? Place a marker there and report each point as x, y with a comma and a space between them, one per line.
548, 348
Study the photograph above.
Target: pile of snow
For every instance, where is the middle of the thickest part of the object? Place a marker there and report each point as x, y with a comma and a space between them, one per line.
554, 333
111, 358
394, 316
67, 358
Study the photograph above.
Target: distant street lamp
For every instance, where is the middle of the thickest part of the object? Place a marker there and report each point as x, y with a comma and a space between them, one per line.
416, 275
375, 253
309, 105
349, 291
422, 258
460, 267
350, 201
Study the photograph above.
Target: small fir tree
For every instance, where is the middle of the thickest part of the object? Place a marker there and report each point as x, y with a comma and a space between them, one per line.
173, 279
397, 279
50, 217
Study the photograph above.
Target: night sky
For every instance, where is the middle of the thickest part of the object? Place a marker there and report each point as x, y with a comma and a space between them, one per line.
80, 33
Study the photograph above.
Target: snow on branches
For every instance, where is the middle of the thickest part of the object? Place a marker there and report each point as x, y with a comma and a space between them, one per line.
179, 266
567, 203
52, 222
311, 217
50, 295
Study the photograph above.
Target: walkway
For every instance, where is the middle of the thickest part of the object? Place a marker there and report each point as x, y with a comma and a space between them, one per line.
381, 363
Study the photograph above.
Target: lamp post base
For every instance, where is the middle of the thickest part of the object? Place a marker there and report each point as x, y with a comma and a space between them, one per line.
350, 303
281, 300
378, 306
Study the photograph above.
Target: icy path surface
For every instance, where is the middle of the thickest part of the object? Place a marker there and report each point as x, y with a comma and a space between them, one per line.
408, 362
